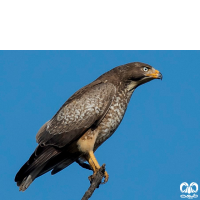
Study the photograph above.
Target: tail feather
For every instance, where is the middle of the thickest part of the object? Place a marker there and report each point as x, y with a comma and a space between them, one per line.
41, 161
29, 179
65, 163
60, 162
34, 166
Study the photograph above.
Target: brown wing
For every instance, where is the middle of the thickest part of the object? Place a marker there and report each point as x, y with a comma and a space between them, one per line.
85, 109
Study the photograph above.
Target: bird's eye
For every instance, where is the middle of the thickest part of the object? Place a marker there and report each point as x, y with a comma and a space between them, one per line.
145, 69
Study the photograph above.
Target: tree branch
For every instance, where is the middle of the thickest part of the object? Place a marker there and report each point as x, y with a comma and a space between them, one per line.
94, 183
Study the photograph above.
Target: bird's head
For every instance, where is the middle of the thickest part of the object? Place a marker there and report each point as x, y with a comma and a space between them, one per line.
137, 73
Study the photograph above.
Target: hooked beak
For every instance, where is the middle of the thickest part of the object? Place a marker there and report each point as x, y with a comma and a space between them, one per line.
156, 75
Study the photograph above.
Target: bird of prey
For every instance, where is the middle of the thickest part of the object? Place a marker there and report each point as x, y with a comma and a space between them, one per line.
86, 120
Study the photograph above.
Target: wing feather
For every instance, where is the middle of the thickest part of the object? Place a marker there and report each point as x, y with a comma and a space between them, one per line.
85, 109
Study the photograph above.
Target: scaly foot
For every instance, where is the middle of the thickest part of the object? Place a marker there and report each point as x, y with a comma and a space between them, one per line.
106, 176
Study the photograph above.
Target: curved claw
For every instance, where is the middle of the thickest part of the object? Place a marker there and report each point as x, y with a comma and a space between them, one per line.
106, 177
91, 178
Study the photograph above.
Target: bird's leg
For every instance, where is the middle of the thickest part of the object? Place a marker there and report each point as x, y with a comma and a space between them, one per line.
95, 166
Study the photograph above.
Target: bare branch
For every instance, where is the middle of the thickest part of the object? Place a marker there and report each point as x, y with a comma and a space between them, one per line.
95, 182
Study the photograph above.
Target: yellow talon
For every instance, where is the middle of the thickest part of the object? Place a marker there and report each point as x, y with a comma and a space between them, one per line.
95, 167
106, 176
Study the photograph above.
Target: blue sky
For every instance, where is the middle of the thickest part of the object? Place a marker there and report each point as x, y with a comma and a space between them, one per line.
153, 151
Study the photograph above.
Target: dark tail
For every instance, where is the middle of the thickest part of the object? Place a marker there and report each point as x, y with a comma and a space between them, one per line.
34, 166
41, 161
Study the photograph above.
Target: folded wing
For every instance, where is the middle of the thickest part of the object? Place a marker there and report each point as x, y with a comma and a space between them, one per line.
85, 109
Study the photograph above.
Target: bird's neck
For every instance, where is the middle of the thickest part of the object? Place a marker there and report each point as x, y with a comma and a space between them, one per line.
131, 86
